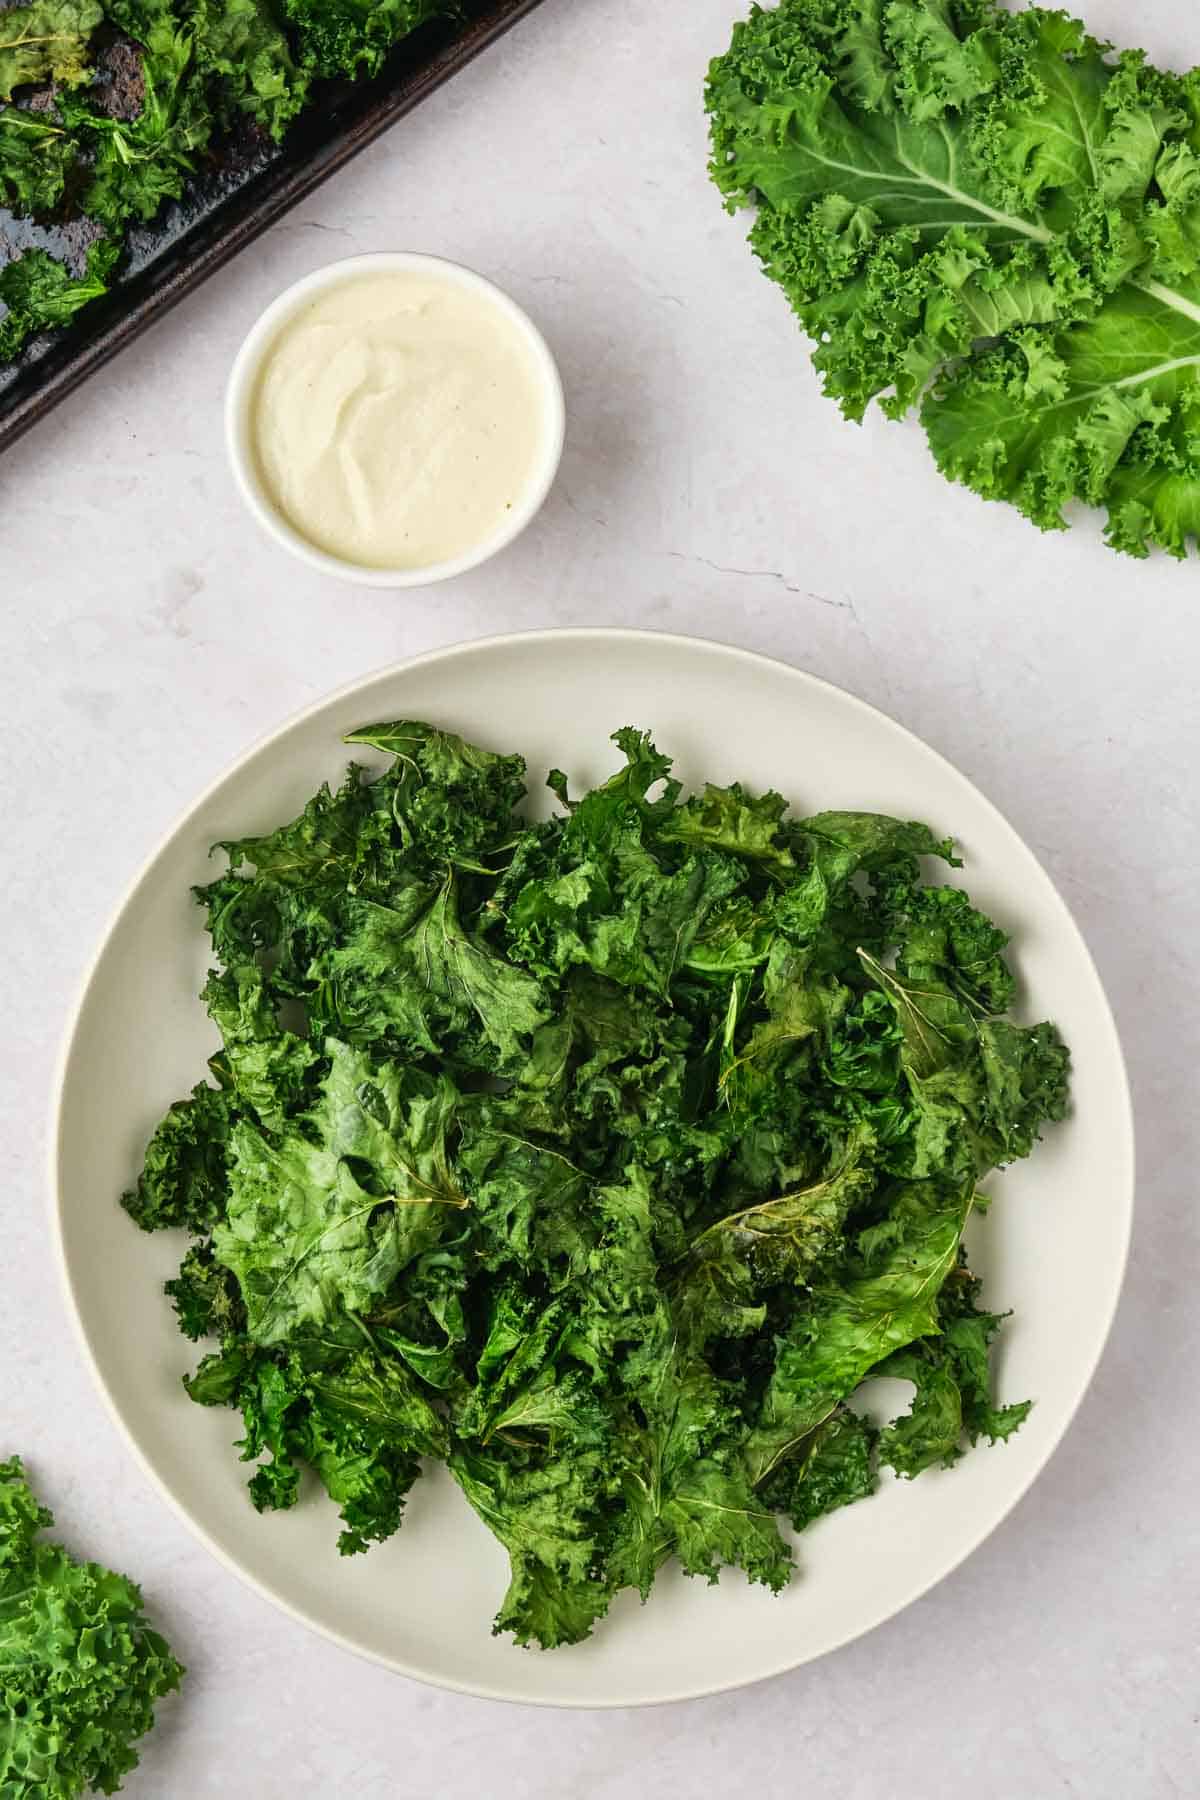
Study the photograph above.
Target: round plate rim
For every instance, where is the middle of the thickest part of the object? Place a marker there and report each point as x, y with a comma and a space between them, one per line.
492, 643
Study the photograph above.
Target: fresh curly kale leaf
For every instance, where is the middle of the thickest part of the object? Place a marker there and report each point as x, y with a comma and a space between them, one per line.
603, 1158
80, 1666
985, 214
1106, 413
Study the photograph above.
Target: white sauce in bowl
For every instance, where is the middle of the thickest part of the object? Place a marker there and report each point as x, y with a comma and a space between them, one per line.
399, 418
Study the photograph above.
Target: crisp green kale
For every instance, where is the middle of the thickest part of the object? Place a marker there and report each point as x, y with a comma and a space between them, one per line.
952, 1400
138, 164
837, 1466
80, 1666
322, 1224
184, 1179
984, 215
206, 1296
36, 160
346, 37
40, 293
361, 1423
46, 41
243, 44
603, 1159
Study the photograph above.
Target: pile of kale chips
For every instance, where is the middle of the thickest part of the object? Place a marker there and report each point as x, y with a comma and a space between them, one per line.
107, 107
602, 1158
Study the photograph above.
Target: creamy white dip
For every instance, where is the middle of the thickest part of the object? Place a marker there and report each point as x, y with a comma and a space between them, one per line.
398, 418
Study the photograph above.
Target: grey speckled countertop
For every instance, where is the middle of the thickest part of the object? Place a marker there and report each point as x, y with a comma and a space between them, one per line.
149, 634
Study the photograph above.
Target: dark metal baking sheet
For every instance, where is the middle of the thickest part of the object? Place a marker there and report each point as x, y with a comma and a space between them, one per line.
244, 186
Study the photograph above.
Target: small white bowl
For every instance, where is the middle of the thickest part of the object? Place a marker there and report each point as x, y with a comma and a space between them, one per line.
239, 398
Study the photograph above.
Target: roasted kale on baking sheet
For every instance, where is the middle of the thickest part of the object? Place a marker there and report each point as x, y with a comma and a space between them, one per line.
106, 107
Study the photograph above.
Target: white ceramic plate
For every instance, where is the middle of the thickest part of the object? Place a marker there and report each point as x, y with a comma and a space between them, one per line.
1053, 1247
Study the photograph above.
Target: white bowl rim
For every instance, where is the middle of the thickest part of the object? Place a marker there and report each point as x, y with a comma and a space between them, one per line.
582, 635
249, 360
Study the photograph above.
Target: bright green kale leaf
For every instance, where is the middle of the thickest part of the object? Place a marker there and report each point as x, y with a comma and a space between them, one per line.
983, 213
80, 1666
603, 1158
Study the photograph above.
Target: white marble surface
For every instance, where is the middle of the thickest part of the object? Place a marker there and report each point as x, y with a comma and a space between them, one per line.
149, 635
